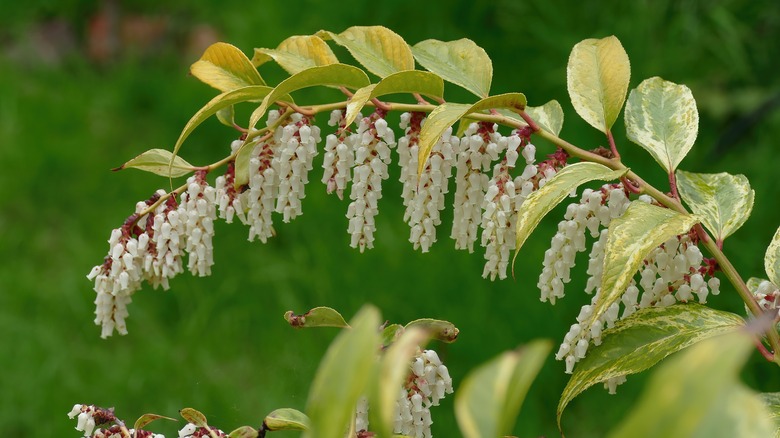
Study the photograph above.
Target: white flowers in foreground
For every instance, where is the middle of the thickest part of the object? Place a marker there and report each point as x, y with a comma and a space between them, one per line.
89, 417
428, 382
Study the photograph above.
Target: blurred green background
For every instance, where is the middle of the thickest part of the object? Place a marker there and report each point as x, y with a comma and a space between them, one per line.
86, 85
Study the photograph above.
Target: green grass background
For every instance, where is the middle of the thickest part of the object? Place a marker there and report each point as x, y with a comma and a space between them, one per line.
220, 344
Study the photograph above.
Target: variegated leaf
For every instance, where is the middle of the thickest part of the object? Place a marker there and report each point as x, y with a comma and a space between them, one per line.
460, 62
226, 68
297, 53
380, 50
772, 259
772, 402
286, 419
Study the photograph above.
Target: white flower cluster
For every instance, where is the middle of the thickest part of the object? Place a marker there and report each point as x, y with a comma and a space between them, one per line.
89, 417
292, 162
197, 210
229, 202
339, 157
372, 156
192, 431
766, 293
427, 384
163, 259
423, 197
86, 418
260, 199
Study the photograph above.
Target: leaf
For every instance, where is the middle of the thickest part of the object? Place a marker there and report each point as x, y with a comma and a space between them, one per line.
297, 53
391, 333
540, 202
642, 228
446, 114
244, 432
461, 62
227, 116
380, 50
642, 340
772, 402
392, 371
223, 100
410, 81
334, 74
722, 201
661, 116
195, 417
548, 116
158, 161
444, 331
772, 259
225, 68
597, 79
697, 393
316, 317
145, 419
343, 374
286, 419
489, 399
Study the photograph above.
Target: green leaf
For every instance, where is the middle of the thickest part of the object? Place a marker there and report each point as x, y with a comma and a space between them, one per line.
772, 259
697, 393
316, 317
158, 161
334, 74
195, 417
224, 100
297, 53
380, 50
286, 419
343, 375
443, 331
642, 228
225, 68
772, 402
392, 371
227, 116
644, 339
410, 81
446, 114
548, 116
540, 202
489, 399
597, 78
722, 201
145, 419
244, 432
661, 116
460, 62
391, 333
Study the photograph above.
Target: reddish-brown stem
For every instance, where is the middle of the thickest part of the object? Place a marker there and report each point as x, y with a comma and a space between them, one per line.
379, 104
673, 185
612, 145
346, 92
300, 110
630, 186
420, 99
531, 123
768, 355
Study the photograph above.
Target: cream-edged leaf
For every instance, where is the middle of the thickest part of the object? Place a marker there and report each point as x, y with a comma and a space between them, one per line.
772, 402
631, 237
226, 68
460, 62
490, 397
286, 419
597, 79
772, 259
297, 53
380, 50
722, 201
661, 116
548, 116
158, 161
643, 339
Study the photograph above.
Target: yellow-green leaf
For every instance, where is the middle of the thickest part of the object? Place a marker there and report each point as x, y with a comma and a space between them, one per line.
224, 100
597, 78
461, 62
333, 74
194, 416
225, 68
380, 50
642, 228
227, 116
540, 202
490, 397
444, 331
722, 201
446, 114
343, 375
391, 333
391, 373
661, 116
244, 432
548, 116
297, 53
158, 161
772, 402
286, 419
316, 317
409, 81
642, 340
697, 393
145, 419
772, 259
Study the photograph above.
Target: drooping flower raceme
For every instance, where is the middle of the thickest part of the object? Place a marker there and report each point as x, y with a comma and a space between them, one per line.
198, 211
297, 147
339, 156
